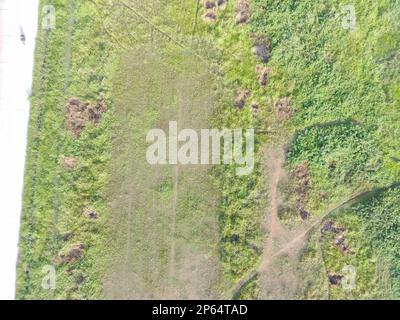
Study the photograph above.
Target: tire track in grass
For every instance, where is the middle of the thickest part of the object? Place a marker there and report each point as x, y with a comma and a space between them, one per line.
62, 138
173, 223
176, 194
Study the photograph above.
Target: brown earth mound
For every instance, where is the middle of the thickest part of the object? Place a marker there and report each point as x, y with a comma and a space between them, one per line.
340, 242
261, 48
329, 226
209, 17
301, 175
78, 114
209, 4
69, 163
255, 107
91, 214
283, 109
263, 73
243, 12
73, 254
221, 2
334, 279
241, 97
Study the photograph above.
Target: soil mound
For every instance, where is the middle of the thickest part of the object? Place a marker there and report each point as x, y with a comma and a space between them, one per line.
243, 12
241, 98
78, 114
283, 109
73, 254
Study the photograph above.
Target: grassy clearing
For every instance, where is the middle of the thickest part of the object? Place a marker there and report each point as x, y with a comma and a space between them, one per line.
164, 222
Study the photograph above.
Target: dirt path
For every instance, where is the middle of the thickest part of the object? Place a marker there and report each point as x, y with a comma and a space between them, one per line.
276, 281
271, 221
279, 281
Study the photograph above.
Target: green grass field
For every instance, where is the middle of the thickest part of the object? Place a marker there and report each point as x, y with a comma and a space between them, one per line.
176, 231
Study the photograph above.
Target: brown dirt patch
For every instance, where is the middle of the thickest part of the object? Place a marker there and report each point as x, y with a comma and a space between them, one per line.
283, 109
241, 98
210, 17
340, 243
78, 114
261, 48
221, 3
255, 107
91, 214
334, 279
302, 178
73, 254
80, 279
263, 73
69, 163
209, 4
243, 11
329, 226
304, 214
66, 236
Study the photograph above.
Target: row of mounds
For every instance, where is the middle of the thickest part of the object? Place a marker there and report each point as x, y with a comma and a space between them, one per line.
78, 114
70, 255
329, 226
302, 179
242, 10
241, 98
282, 107
211, 10
73, 253
261, 47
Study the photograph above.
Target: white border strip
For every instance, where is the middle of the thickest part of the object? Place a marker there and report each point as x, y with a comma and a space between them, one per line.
16, 66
